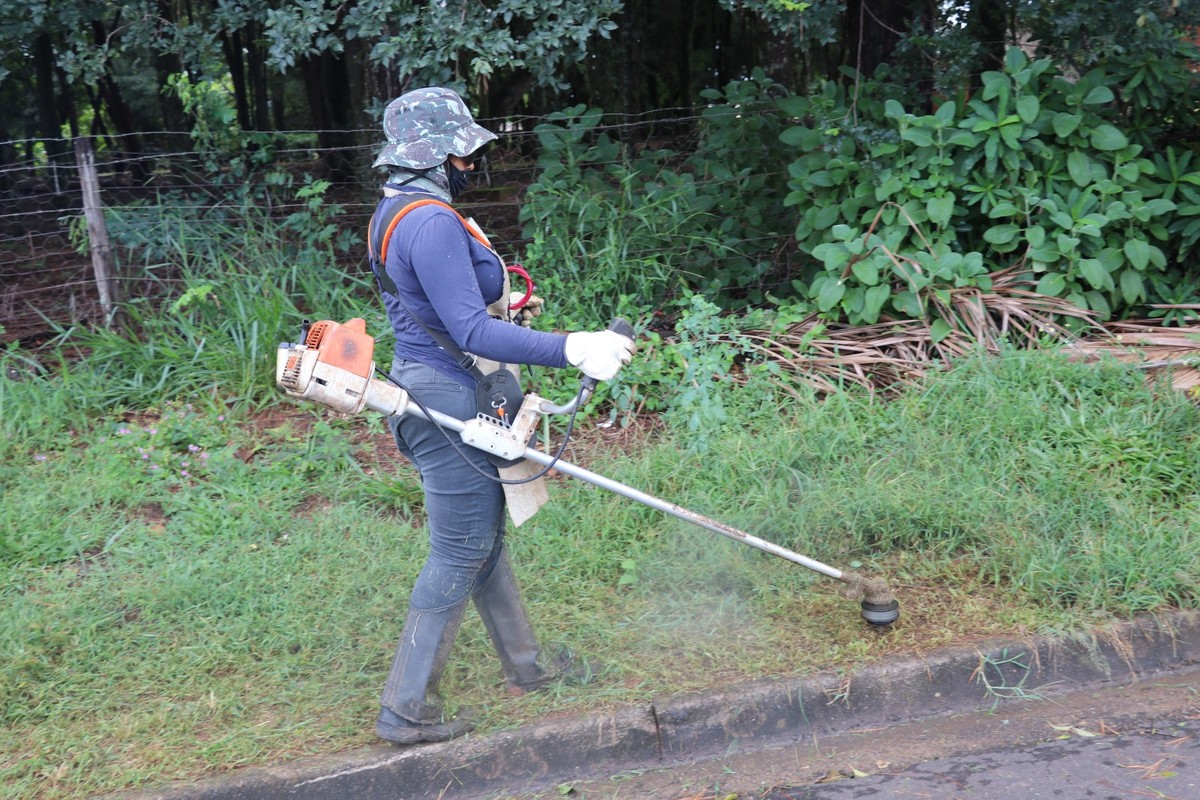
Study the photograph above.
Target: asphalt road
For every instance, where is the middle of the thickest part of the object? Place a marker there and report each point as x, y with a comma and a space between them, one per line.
1123, 741
1160, 759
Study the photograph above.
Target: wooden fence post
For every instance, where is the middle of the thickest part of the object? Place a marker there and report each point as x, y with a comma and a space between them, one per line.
102, 264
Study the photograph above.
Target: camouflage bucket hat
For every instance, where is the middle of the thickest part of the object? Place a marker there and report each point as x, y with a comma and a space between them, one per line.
426, 126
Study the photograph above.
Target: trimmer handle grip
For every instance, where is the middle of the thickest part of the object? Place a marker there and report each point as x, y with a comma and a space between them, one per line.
618, 325
621, 325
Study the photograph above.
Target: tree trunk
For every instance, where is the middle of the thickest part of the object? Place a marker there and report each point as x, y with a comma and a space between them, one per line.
260, 98
872, 31
231, 45
278, 119
988, 25
170, 107
47, 103
326, 82
873, 28
125, 127
66, 110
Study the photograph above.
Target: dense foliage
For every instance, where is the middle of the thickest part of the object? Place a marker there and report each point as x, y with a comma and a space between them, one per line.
901, 215
1032, 173
102, 68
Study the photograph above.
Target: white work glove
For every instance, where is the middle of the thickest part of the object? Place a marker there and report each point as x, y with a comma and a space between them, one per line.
599, 354
525, 314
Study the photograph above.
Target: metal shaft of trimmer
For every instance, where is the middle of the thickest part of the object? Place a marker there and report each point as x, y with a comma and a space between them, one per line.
649, 500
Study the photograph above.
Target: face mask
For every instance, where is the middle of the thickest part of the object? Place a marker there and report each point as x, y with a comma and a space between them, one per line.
458, 179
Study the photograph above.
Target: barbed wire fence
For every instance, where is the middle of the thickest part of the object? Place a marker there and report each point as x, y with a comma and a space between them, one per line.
49, 255
52, 254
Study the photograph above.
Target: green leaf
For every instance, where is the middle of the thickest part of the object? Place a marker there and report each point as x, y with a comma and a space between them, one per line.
1036, 236
1138, 253
963, 138
1080, 168
918, 136
1098, 94
821, 178
873, 302
940, 330
1044, 255
994, 83
946, 111
866, 271
830, 295
1159, 205
1111, 258
1062, 219
1098, 303
825, 216
1052, 284
1095, 274
1133, 288
802, 137
1129, 173
1015, 59
888, 188
940, 209
832, 254
907, 302
1106, 137
1001, 234
1027, 108
1065, 124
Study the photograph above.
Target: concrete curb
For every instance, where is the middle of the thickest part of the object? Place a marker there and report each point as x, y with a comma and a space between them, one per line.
683, 728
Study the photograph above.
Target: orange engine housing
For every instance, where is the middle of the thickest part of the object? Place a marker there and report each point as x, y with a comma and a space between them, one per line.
347, 345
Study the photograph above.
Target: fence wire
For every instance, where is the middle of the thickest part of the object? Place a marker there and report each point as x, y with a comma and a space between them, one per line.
46, 275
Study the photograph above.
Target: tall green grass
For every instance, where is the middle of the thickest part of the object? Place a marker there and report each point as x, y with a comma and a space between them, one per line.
239, 284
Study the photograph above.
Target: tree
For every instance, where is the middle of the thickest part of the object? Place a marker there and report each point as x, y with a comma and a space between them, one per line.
874, 29
82, 60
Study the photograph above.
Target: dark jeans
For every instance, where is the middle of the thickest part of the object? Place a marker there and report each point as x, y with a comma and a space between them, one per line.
464, 508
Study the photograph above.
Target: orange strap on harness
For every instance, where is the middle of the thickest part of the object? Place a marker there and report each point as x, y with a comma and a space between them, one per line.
381, 253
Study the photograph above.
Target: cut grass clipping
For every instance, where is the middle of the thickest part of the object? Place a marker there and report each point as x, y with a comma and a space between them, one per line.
190, 590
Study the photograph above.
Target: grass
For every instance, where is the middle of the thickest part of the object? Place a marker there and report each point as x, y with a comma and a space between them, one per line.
190, 590
198, 578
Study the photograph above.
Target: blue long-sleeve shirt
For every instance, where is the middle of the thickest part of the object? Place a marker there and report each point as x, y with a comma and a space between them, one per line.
448, 278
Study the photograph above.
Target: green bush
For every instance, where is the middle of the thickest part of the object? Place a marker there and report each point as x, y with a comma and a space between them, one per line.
634, 230
1034, 174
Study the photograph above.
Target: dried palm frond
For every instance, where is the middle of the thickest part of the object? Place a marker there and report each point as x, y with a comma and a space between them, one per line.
1011, 308
894, 353
1152, 347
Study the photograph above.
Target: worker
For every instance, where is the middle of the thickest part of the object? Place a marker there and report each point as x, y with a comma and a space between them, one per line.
440, 278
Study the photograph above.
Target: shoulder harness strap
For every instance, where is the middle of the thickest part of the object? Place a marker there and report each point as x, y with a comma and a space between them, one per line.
377, 244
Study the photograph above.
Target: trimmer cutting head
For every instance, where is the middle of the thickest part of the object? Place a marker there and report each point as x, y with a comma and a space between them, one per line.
879, 606
881, 613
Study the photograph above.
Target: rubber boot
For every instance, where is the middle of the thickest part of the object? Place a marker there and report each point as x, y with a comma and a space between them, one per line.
498, 601
407, 715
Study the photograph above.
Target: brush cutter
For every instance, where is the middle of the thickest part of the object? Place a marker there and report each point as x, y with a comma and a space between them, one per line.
332, 365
